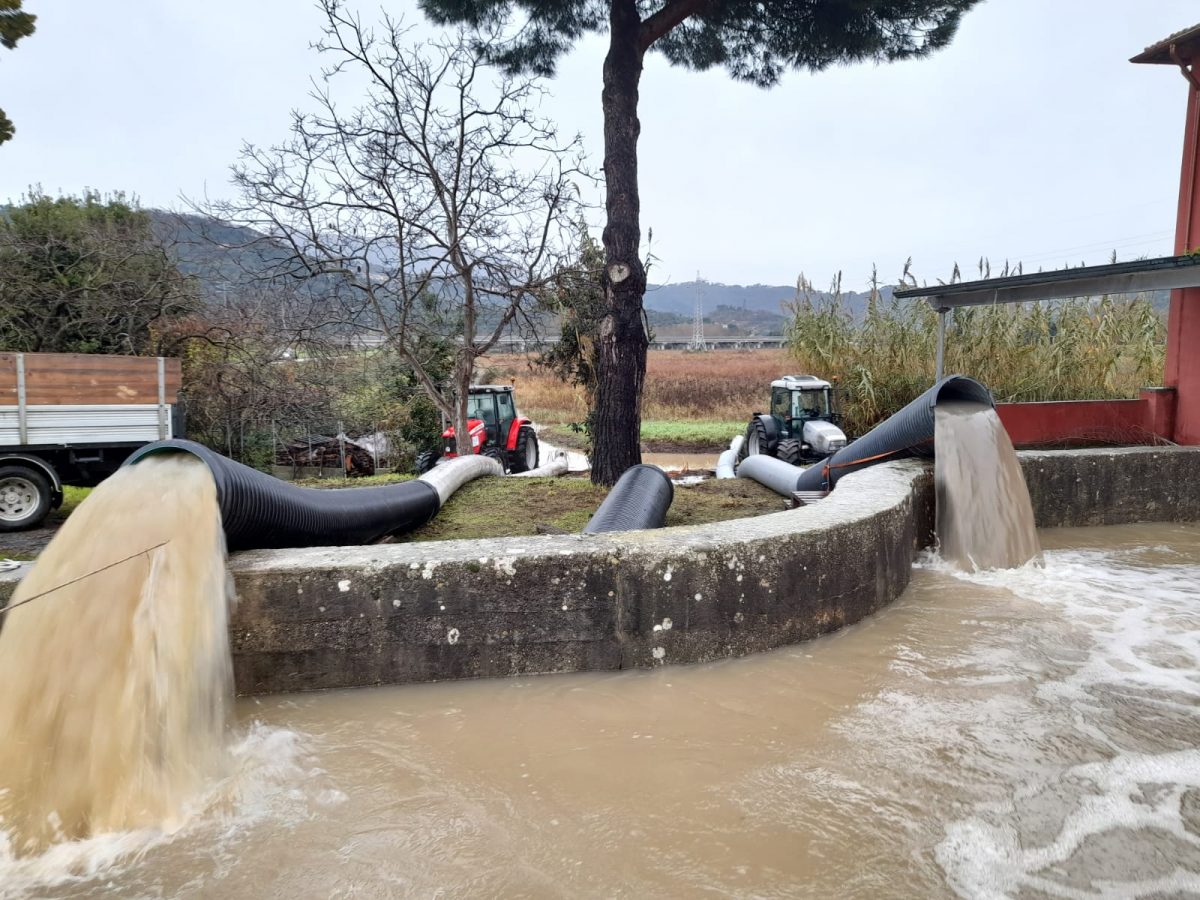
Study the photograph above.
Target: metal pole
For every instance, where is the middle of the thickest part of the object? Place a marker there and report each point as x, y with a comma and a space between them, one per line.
342, 447
162, 399
22, 406
941, 344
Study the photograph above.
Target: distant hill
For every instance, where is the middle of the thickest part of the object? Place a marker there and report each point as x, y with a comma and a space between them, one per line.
224, 256
680, 298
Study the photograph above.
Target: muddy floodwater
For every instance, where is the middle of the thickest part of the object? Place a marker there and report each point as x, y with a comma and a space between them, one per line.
1029, 733
678, 460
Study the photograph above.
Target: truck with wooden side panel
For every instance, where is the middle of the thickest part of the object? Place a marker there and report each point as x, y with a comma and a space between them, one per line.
72, 419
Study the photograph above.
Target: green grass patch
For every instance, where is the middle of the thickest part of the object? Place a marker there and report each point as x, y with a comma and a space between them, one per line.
518, 507
364, 481
697, 436
500, 507
72, 497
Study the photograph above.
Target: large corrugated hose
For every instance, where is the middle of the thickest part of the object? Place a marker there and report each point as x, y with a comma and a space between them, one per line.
261, 512
779, 476
639, 499
727, 461
908, 433
451, 474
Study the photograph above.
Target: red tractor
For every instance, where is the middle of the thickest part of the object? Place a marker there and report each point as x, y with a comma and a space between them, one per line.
496, 430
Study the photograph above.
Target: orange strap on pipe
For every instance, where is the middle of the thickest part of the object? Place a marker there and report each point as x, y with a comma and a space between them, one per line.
865, 460
828, 468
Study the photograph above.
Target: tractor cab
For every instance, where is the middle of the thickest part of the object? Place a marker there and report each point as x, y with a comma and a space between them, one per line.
496, 430
802, 423
796, 399
493, 406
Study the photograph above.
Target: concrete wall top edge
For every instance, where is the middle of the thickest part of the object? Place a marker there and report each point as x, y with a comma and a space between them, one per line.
1107, 452
859, 496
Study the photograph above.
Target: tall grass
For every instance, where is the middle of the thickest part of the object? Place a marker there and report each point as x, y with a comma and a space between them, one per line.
1084, 349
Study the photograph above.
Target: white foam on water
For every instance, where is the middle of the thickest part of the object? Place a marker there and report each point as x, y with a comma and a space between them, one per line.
1129, 694
984, 856
272, 782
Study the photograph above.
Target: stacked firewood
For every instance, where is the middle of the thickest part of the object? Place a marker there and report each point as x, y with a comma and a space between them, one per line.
320, 451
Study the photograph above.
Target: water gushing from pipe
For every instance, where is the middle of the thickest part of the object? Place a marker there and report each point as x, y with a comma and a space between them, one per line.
984, 516
116, 672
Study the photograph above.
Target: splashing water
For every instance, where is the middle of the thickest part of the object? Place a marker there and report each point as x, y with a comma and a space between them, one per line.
117, 678
984, 516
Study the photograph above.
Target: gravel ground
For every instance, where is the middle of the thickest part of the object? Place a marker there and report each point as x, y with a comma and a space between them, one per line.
27, 544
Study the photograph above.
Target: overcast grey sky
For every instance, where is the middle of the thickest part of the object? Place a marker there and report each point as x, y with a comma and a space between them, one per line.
1032, 137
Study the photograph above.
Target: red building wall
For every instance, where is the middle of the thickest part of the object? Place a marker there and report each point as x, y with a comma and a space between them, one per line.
1171, 412
1183, 322
1145, 420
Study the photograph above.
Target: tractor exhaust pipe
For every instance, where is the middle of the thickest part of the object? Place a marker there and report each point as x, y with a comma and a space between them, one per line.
906, 434
261, 512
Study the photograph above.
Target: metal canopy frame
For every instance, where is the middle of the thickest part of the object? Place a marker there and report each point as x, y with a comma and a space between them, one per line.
1162, 273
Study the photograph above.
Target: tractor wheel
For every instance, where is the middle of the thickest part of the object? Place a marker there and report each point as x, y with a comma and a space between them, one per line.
425, 461
498, 455
789, 451
756, 439
524, 457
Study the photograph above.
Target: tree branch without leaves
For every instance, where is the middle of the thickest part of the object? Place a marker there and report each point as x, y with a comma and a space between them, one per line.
438, 194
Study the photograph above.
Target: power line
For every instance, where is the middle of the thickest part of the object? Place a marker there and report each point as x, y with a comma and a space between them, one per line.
59, 587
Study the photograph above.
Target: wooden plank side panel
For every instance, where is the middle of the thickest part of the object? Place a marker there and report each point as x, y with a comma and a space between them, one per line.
8, 379
86, 379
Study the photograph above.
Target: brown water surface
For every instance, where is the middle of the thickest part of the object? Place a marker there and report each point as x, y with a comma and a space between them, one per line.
1028, 733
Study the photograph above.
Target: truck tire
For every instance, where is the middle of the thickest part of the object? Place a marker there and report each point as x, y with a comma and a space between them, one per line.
524, 456
790, 451
25, 498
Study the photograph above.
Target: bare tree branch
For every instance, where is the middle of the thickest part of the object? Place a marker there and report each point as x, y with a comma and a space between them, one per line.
439, 195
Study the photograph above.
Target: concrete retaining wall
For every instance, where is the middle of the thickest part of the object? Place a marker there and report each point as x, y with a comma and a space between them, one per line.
323, 618
1113, 486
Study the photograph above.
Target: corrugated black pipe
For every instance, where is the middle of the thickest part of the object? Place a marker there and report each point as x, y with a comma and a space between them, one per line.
908, 433
260, 512
639, 499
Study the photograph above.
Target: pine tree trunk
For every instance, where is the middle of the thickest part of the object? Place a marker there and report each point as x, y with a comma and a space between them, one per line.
616, 437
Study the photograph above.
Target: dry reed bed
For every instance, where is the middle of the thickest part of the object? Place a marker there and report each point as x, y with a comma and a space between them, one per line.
723, 385
1066, 350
